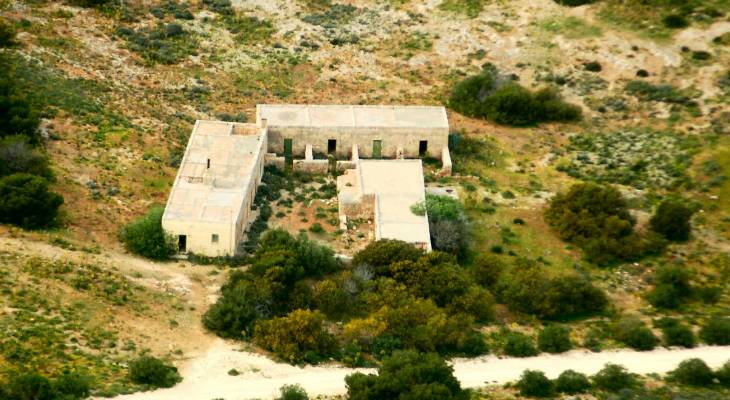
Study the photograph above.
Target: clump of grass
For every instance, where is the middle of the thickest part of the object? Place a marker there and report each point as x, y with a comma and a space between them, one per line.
663, 92
469, 8
163, 44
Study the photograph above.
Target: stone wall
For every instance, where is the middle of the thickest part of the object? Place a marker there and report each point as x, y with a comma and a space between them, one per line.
391, 139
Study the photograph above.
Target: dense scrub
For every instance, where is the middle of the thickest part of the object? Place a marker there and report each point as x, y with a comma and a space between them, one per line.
164, 44
597, 219
498, 98
447, 222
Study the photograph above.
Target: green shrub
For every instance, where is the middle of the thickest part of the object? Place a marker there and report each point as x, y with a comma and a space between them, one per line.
299, 336
316, 228
593, 66
164, 44
151, 371
693, 372
723, 375
675, 21
671, 288
380, 254
663, 92
519, 345
26, 201
487, 269
634, 333
407, 375
574, 3
17, 115
614, 378
7, 35
676, 333
528, 288
535, 384
490, 96
235, 312
69, 386
716, 331
30, 386
572, 382
672, 220
17, 155
292, 392
146, 237
554, 339
596, 218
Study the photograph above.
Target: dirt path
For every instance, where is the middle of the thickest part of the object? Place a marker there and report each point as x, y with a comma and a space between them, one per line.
259, 377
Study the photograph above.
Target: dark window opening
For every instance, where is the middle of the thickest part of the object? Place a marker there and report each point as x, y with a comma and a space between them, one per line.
422, 147
214, 238
182, 243
331, 146
208, 164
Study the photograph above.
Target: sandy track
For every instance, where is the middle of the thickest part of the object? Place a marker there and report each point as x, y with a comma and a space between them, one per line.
207, 377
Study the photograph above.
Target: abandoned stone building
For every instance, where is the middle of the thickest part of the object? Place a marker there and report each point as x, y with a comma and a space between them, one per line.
376, 147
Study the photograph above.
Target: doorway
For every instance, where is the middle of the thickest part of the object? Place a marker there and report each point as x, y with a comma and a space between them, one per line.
422, 148
377, 148
332, 146
288, 144
182, 244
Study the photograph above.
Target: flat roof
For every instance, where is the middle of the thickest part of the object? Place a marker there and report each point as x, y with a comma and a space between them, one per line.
215, 194
398, 184
352, 116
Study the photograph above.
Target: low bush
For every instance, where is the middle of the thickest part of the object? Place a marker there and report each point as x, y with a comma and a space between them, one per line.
151, 371
487, 269
675, 333
693, 372
671, 287
497, 98
596, 218
672, 220
292, 392
723, 375
18, 155
614, 378
663, 92
164, 44
535, 384
716, 331
7, 35
635, 334
407, 375
675, 21
146, 237
27, 201
380, 254
572, 382
519, 345
554, 339
299, 336
574, 3
593, 66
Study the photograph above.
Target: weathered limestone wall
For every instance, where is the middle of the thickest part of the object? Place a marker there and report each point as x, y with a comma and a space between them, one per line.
446, 166
199, 236
391, 138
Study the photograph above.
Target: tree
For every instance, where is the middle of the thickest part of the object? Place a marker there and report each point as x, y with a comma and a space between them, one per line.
693, 372
151, 371
572, 382
535, 384
672, 220
146, 237
292, 392
614, 378
554, 339
299, 336
380, 254
407, 375
716, 331
235, 312
26, 201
